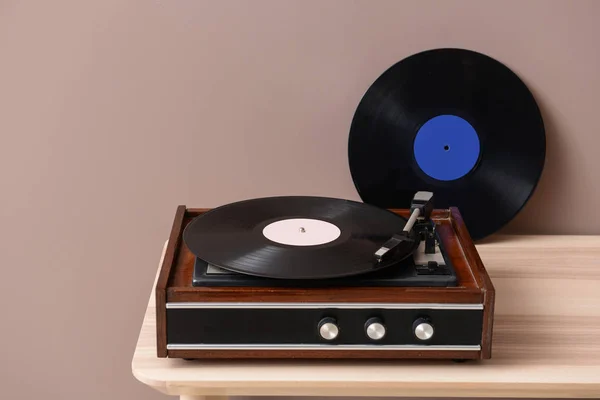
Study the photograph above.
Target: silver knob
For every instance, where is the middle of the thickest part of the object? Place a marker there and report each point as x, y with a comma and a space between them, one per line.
423, 329
375, 329
328, 329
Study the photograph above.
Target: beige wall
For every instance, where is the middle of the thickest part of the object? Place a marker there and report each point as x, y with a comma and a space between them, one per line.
114, 112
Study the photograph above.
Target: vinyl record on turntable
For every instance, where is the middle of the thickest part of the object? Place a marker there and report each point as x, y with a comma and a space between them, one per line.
454, 122
295, 237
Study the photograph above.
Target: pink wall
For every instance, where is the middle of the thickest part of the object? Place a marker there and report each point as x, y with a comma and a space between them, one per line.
113, 113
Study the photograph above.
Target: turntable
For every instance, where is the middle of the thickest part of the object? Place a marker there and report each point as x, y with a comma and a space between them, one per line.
315, 277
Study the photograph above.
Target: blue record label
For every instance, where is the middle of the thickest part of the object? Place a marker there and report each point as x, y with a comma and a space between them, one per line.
446, 147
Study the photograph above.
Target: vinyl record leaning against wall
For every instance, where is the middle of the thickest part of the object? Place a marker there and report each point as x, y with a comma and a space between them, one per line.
454, 122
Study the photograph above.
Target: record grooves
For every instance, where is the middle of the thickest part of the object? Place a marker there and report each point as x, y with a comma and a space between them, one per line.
454, 122
295, 237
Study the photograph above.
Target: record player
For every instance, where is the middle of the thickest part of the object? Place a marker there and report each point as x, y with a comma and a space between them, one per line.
314, 277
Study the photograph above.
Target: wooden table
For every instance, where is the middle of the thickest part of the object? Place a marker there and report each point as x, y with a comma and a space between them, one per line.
546, 341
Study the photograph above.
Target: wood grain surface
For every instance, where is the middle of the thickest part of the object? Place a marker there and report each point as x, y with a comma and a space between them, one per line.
546, 341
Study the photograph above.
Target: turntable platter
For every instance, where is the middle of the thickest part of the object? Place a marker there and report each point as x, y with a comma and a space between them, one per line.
295, 237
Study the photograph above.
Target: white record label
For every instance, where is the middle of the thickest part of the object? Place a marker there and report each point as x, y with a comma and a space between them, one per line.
301, 232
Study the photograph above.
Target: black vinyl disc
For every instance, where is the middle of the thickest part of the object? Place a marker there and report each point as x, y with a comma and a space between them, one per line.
454, 122
294, 237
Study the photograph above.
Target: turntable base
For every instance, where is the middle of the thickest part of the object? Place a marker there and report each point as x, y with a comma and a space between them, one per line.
414, 316
546, 341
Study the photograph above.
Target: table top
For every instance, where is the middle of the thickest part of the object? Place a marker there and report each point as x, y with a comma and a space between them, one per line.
546, 341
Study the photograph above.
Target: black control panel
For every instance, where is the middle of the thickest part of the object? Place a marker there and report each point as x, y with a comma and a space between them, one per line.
341, 326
